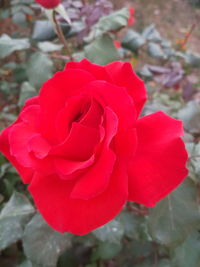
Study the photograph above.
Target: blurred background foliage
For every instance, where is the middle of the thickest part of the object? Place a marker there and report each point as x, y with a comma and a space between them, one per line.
161, 40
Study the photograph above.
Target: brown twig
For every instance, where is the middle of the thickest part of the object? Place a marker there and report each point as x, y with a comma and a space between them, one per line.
188, 35
61, 36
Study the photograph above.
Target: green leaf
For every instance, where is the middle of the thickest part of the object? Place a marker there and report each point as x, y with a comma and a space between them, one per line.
25, 263
26, 92
43, 245
13, 218
155, 51
39, 69
134, 225
111, 22
9, 45
49, 46
133, 40
102, 50
43, 30
106, 250
188, 253
193, 59
190, 115
194, 155
151, 34
111, 232
176, 216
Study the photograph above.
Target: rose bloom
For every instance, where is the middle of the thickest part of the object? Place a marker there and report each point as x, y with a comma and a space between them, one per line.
84, 151
48, 3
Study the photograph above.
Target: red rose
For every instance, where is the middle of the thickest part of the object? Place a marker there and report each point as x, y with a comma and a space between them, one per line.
48, 3
84, 151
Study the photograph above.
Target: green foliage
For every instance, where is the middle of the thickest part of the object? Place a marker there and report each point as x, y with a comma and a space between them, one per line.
43, 245
188, 253
39, 69
13, 218
133, 40
176, 216
112, 22
101, 50
112, 232
190, 115
26, 92
9, 45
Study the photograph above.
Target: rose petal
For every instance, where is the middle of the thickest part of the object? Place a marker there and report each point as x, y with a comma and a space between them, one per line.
32, 101
65, 214
19, 136
30, 115
97, 178
79, 145
159, 164
99, 72
39, 146
25, 173
68, 114
123, 75
94, 115
58, 90
126, 143
115, 97
68, 167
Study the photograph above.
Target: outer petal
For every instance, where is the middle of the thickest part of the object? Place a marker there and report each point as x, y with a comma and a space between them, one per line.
123, 75
52, 197
25, 173
19, 135
159, 164
39, 146
99, 72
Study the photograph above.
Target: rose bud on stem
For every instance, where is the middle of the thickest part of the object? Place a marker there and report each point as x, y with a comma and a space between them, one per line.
49, 4
51, 7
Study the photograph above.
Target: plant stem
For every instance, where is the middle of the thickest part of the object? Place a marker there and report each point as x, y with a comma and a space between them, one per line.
188, 35
61, 36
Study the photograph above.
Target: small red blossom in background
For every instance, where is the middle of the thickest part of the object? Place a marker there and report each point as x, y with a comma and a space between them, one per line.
84, 151
49, 4
131, 18
117, 44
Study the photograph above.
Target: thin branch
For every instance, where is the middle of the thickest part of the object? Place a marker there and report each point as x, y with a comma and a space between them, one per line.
61, 36
188, 34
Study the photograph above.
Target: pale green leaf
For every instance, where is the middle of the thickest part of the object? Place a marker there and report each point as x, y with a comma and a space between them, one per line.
9, 45
39, 69
42, 244
111, 232
101, 51
176, 216
13, 217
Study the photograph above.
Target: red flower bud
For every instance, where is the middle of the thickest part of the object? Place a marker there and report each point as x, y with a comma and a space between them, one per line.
131, 18
117, 44
48, 3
